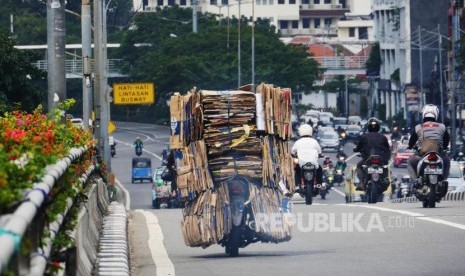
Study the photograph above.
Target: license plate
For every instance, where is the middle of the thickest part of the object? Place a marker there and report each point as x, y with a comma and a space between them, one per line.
373, 170
433, 171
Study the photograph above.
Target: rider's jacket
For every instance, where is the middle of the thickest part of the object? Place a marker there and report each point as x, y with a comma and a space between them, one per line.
307, 150
374, 143
430, 130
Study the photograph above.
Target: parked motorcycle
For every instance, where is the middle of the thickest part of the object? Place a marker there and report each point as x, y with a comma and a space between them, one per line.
375, 184
430, 187
243, 223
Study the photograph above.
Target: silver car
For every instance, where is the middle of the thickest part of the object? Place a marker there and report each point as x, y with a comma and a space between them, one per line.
329, 140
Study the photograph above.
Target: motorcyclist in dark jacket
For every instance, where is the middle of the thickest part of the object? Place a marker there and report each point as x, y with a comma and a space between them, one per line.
372, 143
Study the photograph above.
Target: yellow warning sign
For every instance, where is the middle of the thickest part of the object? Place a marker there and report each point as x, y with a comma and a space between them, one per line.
133, 93
111, 127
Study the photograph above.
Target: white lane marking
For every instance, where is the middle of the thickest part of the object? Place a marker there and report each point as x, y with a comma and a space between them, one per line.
412, 214
126, 192
144, 150
339, 192
147, 137
352, 156
160, 257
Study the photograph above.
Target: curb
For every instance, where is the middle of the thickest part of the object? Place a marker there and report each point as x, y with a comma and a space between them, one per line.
123, 124
113, 254
450, 196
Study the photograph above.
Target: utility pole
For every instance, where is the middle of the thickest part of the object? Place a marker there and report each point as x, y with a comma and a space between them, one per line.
56, 33
239, 48
100, 82
253, 46
441, 90
347, 96
421, 70
194, 16
86, 33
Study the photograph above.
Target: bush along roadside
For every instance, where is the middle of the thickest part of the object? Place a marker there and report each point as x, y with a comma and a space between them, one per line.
29, 143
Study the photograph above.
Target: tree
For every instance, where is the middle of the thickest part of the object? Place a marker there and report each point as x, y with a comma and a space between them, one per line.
21, 84
176, 59
373, 63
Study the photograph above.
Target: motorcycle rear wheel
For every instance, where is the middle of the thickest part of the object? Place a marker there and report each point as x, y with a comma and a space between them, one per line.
372, 193
308, 194
432, 197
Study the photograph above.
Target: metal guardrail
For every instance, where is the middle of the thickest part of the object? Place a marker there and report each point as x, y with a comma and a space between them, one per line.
74, 67
340, 62
17, 223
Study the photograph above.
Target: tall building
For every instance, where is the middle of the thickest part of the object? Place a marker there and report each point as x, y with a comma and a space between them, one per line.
291, 17
408, 32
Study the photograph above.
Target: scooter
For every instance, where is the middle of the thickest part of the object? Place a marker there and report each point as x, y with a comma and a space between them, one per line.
138, 151
113, 150
375, 185
430, 187
339, 171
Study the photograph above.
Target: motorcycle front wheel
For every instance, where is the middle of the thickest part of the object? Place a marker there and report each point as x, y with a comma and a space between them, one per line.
234, 242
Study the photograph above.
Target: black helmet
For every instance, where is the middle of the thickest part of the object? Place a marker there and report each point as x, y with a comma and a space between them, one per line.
373, 125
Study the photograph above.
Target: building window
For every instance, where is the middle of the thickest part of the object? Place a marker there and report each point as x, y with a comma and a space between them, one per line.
327, 1
291, 2
316, 2
212, 2
363, 33
305, 2
328, 22
305, 23
271, 2
295, 24
281, 2
258, 2
182, 2
351, 32
224, 2
283, 24
171, 2
317, 23
159, 2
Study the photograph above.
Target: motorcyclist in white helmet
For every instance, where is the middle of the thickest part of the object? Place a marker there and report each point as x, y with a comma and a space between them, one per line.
429, 136
307, 149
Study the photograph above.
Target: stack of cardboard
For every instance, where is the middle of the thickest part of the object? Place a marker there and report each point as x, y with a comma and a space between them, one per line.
215, 137
230, 134
193, 175
278, 166
207, 218
277, 110
272, 216
186, 119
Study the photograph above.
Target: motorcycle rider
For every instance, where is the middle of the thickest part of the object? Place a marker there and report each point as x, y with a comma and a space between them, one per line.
328, 162
428, 136
307, 150
138, 143
341, 161
372, 143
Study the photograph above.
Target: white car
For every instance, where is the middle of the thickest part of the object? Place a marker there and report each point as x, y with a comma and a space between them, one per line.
455, 178
77, 121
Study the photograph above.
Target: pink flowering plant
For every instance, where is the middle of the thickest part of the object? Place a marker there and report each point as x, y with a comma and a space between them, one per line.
30, 142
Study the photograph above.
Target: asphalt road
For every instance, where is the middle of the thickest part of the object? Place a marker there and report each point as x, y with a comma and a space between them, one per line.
329, 238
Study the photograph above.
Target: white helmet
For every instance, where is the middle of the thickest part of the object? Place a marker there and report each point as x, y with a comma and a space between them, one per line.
305, 130
430, 111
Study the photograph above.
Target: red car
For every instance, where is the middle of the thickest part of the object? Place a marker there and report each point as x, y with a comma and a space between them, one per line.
402, 155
